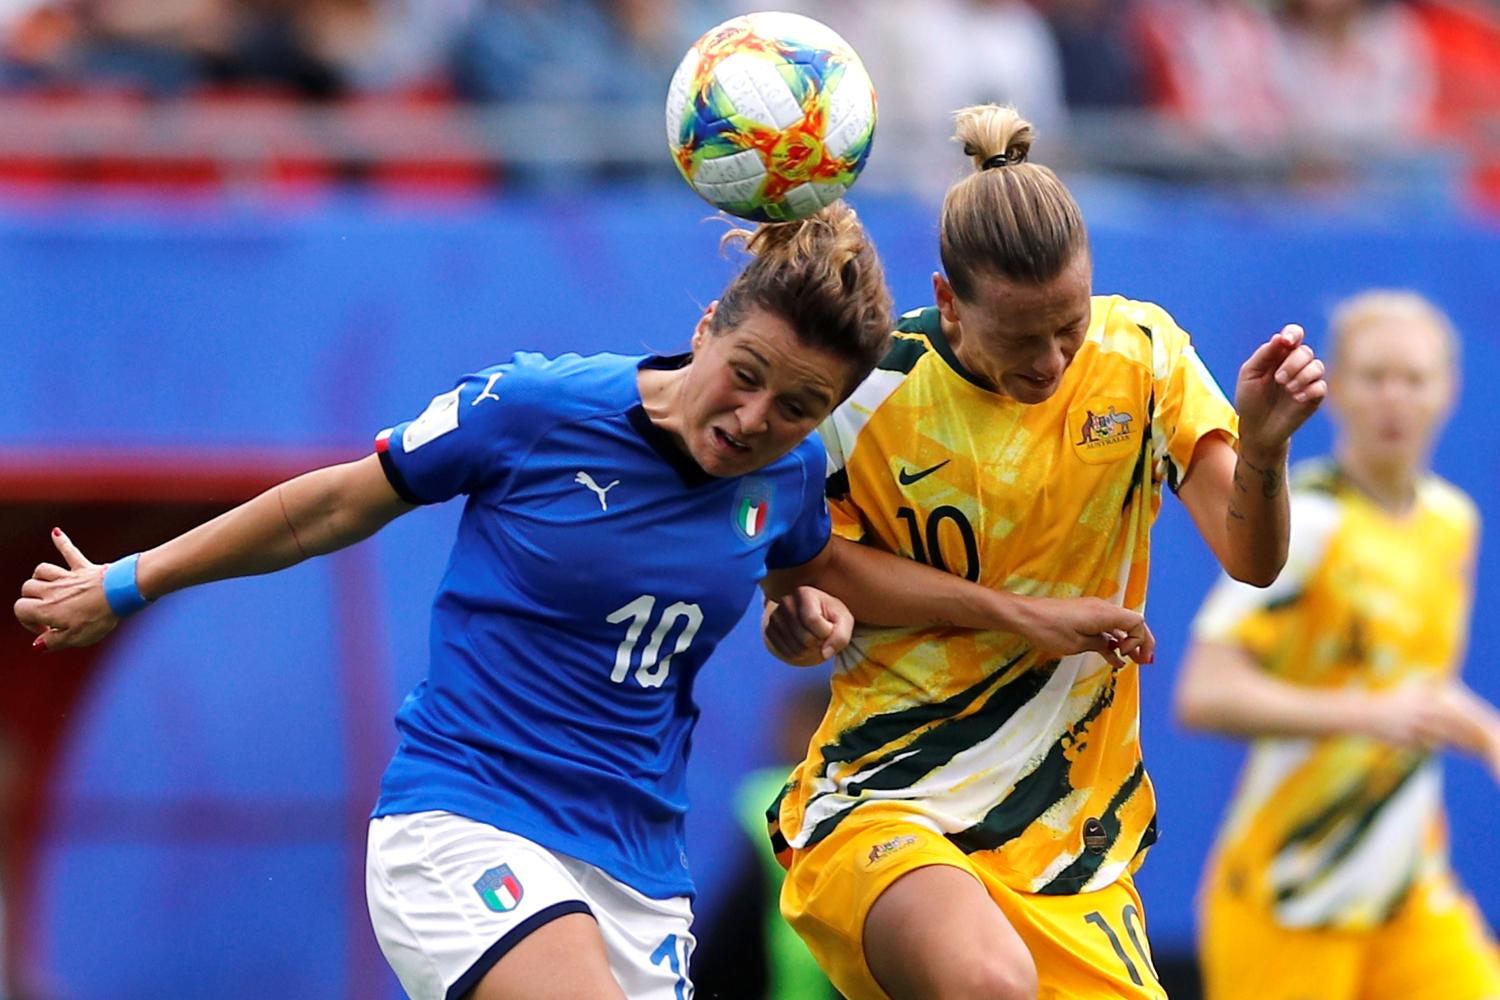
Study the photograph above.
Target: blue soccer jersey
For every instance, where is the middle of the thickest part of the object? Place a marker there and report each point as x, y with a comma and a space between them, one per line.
596, 568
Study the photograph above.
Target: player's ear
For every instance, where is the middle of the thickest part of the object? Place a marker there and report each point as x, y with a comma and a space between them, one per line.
942, 294
700, 332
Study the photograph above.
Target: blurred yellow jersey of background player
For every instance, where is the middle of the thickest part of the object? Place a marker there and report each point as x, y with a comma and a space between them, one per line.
1333, 832
1030, 765
1343, 838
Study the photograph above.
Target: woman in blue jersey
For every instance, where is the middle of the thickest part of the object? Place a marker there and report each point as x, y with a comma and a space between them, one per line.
528, 838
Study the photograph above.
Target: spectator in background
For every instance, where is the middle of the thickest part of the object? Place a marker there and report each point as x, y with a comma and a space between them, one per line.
330, 48
311, 48
1464, 36
590, 66
1352, 72
152, 46
1304, 77
926, 59
580, 50
1331, 876
1098, 52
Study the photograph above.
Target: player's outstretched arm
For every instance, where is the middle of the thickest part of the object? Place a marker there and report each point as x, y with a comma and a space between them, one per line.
1222, 689
1238, 499
879, 588
313, 514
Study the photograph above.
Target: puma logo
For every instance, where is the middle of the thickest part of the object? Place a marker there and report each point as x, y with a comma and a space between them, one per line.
587, 481
485, 392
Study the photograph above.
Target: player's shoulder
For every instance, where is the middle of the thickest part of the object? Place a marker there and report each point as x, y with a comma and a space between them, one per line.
544, 390
911, 341
1316, 477
807, 462
1449, 502
1317, 489
1132, 328
910, 353
565, 377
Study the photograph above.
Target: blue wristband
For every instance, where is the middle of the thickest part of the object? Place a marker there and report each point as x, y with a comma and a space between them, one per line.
120, 589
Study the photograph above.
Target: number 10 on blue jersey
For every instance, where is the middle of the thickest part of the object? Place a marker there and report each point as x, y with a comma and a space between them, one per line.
654, 667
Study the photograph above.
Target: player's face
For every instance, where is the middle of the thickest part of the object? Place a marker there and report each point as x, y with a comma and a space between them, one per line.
754, 391
1020, 337
1391, 390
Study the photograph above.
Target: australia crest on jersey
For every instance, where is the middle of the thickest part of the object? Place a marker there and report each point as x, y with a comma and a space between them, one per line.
752, 507
1103, 429
500, 889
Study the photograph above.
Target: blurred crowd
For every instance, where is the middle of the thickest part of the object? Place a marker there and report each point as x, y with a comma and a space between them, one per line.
1317, 81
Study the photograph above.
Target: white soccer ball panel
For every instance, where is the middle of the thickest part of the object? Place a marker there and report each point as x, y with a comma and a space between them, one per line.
678, 92
805, 199
757, 91
781, 24
731, 168
729, 192
851, 109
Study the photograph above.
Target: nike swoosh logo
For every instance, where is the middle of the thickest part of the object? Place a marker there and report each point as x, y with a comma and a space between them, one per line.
907, 478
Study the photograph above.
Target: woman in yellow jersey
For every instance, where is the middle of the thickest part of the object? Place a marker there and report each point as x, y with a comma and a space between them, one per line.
1331, 878
970, 811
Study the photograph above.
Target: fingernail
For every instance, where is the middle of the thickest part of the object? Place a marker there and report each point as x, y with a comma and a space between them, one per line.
56, 532
40, 642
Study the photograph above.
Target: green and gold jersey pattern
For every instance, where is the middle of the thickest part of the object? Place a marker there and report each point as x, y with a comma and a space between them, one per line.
1334, 832
1031, 761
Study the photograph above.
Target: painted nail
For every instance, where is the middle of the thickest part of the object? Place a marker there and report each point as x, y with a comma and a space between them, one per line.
40, 642
56, 532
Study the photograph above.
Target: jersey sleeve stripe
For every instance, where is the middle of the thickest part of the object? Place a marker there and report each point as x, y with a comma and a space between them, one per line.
393, 474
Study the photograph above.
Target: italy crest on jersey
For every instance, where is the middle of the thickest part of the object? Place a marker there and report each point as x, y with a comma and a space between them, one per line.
500, 889
752, 508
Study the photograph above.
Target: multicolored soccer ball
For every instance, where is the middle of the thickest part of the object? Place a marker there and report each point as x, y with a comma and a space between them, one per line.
771, 116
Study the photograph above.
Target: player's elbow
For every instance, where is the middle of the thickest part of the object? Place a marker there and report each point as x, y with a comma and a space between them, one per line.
1252, 560
1257, 569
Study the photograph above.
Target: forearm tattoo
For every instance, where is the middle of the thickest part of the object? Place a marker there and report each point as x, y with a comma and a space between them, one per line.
1271, 482
1270, 479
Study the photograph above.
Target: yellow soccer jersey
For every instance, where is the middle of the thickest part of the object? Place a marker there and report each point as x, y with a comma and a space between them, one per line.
1334, 832
1030, 762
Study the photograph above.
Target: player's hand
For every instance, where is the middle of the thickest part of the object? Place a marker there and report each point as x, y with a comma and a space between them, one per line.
1064, 626
806, 627
1415, 716
1473, 726
1280, 386
65, 605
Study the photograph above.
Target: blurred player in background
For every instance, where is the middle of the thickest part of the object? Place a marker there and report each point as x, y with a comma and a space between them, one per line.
750, 952
528, 839
1331, 876
968, 818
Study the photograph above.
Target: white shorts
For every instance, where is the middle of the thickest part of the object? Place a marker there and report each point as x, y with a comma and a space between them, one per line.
449, 896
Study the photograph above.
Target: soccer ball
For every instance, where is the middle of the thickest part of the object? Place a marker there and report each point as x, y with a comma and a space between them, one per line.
770, 116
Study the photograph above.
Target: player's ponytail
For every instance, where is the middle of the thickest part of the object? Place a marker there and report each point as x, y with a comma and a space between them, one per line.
1010, 218
823, 276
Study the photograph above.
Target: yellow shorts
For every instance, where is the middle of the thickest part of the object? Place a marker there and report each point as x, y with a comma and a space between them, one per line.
1436, 947
1090, 945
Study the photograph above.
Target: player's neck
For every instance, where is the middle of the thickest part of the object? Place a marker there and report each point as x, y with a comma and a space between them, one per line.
661, 396
954, 334
1391, 486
